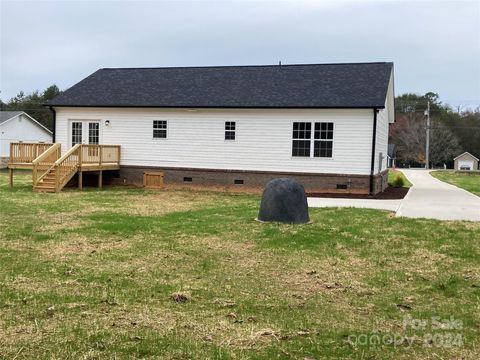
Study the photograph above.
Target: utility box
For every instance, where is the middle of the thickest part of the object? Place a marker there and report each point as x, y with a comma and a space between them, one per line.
153, 180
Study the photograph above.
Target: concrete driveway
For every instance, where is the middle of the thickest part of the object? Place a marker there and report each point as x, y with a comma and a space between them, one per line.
435, 199
428, 198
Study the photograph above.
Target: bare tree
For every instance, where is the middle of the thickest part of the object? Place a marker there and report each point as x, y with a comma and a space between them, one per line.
444, 145
408, 134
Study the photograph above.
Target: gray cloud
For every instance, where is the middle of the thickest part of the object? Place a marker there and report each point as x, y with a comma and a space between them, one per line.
435, 45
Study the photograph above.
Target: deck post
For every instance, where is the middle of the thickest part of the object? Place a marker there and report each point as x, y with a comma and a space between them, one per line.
80, 180
10, 176
100, 179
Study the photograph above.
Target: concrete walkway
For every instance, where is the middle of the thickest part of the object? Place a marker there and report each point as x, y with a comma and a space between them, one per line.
428, 198
434, 199
390, 205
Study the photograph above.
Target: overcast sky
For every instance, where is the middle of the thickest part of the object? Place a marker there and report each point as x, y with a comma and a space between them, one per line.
435, 45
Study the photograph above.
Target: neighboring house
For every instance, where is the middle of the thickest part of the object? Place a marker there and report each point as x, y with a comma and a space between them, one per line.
466, 161
325, 125
18, 126
391, 156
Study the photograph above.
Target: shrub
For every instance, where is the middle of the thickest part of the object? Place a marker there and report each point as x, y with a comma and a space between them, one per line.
399, 181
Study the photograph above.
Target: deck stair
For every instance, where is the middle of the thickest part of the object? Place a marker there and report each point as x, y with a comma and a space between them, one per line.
54, 176
47, 184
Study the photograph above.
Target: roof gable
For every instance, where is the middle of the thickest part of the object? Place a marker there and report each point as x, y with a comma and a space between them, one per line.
357, 85
9, 115
466, 153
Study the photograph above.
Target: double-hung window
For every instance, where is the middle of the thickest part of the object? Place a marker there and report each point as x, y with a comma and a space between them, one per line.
323, 140
159, 129
302, 132
230, 127
321, 136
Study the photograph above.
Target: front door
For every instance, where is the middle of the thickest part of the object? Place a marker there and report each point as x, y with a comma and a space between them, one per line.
85, 132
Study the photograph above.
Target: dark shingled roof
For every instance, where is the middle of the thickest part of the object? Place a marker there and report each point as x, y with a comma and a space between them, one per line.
7, 115
356, 85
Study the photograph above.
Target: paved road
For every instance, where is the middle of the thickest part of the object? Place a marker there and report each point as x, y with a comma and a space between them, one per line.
435, 199
428, 198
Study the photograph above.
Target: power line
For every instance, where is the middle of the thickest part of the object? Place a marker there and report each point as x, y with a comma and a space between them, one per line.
455, 127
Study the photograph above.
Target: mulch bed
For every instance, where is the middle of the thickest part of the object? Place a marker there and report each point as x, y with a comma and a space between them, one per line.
390, 193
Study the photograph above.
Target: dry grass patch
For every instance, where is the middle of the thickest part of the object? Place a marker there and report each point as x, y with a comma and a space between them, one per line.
79, 246
163, 202
63, 221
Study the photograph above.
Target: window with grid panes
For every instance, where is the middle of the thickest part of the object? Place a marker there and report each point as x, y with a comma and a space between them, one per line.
302, 133
323, 140
159, 129
230, 130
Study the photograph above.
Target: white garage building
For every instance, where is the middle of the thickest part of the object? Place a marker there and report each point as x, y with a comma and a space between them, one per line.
18, 126
466, 161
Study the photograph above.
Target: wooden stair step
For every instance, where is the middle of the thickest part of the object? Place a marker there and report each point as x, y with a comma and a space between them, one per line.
44, 186
49, 190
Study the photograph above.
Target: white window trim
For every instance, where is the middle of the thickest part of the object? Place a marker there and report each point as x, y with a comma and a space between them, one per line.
312, 142
235, 131
292, 140
312, 148
159, 138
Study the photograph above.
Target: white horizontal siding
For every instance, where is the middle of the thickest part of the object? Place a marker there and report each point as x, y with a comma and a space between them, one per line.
384, 118
381, 147
21, 128
196, 138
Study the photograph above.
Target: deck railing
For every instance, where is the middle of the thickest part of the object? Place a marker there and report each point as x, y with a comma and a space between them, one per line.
100, 154
42, 165
67, 166
22, 153
79, 155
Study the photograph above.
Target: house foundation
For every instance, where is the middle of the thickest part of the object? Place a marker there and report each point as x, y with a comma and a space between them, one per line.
237, 179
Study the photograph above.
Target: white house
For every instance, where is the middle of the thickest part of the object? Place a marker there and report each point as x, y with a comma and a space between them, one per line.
325, 125
18, 126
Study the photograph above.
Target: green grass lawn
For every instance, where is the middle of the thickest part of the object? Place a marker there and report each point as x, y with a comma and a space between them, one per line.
127, 273
393, 174
469, 182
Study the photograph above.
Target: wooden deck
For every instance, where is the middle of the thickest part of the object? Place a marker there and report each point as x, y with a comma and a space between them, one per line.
23, 154
51, 171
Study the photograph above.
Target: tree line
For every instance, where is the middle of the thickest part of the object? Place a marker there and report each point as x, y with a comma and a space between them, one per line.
33, 104
452, 132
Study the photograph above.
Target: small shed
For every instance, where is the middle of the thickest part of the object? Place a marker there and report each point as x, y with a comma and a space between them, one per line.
466, 161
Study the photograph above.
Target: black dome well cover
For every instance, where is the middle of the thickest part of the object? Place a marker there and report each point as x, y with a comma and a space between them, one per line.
284, 200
